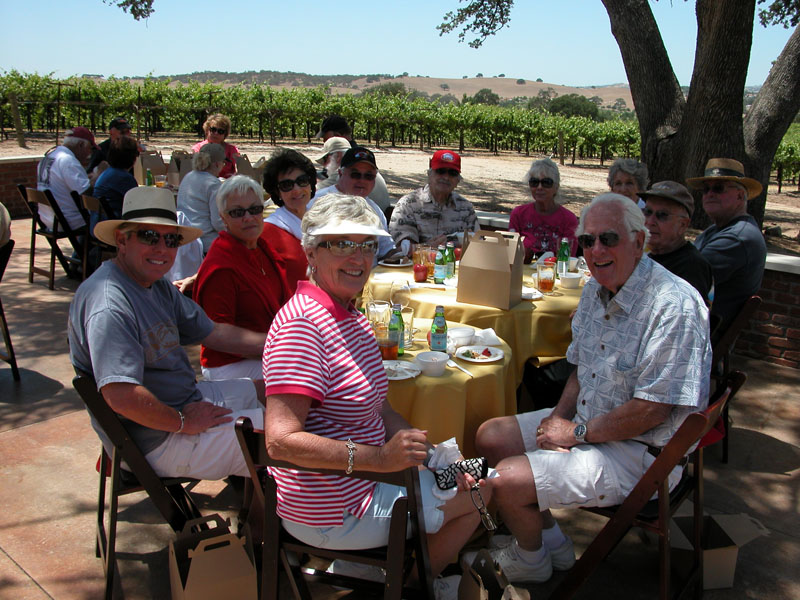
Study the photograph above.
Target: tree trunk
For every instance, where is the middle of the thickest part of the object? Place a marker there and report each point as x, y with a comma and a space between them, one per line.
12, 100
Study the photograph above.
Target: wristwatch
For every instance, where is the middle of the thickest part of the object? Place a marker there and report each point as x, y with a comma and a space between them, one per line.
580, 433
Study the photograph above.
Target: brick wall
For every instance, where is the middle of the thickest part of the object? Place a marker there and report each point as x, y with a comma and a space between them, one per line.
774, 331
13, 171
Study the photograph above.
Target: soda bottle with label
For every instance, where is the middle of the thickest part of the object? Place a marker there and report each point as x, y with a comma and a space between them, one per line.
439, 331
440, 266
450, 258
149, 179
563, 258
397, 329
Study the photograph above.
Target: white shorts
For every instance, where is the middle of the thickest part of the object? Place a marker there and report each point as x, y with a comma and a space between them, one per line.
215, 453
247, 369
589, 474
372, 530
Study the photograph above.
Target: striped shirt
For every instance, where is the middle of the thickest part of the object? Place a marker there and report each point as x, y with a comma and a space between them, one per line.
318, 349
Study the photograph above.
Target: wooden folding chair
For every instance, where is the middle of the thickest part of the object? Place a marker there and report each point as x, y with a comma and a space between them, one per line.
101, 206
638, 510
722, 349
168, 494
396, 558
8, 356
61, 230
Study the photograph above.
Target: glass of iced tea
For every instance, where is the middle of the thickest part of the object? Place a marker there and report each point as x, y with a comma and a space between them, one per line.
546, 277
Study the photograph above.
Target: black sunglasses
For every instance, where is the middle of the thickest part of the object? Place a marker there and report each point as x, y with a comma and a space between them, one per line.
359, 175
348, 247
287, 185
547, 183
717, 187
149, 237
238, 213
661, 215
218, 130
445, 171
609, 239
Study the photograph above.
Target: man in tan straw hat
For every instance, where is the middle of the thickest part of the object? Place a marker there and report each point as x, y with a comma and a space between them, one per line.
733, 245
126, 328
667, 213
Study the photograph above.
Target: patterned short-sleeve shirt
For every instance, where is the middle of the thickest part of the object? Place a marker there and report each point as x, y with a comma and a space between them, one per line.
649, 341
419, 218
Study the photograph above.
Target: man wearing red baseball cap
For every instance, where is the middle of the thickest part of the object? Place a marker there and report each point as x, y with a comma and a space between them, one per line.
62, 170
435, 213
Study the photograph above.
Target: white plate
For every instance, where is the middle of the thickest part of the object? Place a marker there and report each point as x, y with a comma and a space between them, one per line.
400, 369
497, 354
404, 263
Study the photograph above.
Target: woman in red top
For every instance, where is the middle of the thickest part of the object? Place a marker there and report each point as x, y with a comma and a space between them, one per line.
242, 281
217, 127
290, 179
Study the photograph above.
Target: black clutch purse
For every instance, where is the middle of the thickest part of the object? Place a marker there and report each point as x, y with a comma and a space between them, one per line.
477, 467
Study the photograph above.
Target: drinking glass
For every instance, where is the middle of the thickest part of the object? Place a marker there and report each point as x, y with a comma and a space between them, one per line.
378, 313
546, 277
400, 293
408, 323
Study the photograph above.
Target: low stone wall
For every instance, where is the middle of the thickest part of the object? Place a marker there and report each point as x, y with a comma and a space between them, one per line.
13, 171
774, 331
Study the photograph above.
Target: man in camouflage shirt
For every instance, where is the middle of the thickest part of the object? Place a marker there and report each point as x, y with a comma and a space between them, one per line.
435, 213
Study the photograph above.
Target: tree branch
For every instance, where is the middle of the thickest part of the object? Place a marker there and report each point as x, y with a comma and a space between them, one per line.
482, 17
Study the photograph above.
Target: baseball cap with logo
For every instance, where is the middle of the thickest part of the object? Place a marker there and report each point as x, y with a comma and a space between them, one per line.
358, 154
446, 159
82, 133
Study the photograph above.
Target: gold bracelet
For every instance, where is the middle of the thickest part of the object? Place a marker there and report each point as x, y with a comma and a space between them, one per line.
351, 453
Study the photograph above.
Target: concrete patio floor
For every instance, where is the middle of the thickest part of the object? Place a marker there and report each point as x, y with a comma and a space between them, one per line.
48, 483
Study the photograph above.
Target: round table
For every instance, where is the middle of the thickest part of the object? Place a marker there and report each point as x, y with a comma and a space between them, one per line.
455, 404
537, 330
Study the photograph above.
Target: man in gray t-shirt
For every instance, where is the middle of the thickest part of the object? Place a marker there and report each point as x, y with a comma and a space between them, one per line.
127, 326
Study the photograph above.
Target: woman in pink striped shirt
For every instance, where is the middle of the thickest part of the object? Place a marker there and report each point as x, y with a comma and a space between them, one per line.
327, 408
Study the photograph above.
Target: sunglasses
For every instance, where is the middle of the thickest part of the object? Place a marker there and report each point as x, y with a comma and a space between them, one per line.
287, 185
444, 171
347, 247
218, 130
547, 183
359, 175
238, 213
661, 215
717, 188
148, 237
609, 239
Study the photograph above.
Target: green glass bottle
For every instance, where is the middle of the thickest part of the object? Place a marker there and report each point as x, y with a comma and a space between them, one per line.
397, 329
439, 331
450, 258
563, 258
149, 179
440, 266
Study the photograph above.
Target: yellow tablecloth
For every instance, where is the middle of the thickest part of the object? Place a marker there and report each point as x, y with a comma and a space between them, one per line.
455, 405
538, 329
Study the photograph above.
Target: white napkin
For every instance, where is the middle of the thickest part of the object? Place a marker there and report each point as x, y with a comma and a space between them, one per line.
387, 276
432, 286
486, 337
444, 455
529, 293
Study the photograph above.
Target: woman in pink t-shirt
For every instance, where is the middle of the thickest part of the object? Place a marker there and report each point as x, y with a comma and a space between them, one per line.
327, 408
542, 223
218, 127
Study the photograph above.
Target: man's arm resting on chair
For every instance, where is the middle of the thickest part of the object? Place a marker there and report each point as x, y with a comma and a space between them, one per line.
136, 403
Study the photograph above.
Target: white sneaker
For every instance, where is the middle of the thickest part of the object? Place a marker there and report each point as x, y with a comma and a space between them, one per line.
446, 588
562, 557
357, 570
515, 569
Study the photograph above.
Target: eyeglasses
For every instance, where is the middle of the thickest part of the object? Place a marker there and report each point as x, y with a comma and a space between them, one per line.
238, 213
547, 183
218, 130
287, 185
347, 247
661, 215
609, 239
359, 175
445, 171
718, 187
148, 237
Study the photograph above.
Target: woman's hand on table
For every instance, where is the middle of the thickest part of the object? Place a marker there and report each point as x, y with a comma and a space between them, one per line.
555, 433
406, 448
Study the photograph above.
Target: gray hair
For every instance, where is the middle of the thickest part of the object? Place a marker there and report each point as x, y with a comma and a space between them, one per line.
546, 167
238, 185
74, 142
634, 168
201, 161
335, 208
632, 217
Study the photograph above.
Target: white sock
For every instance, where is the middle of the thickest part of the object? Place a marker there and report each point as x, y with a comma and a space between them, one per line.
532, 557
553, 538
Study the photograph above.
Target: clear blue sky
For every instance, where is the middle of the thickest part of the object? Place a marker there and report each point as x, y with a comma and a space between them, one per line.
567, 42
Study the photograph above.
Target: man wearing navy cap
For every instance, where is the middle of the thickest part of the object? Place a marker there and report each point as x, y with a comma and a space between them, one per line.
435, 213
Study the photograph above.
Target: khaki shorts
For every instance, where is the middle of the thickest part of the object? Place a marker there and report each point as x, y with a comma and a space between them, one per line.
589, 474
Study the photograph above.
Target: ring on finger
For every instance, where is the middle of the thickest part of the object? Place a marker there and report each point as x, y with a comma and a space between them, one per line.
539, 431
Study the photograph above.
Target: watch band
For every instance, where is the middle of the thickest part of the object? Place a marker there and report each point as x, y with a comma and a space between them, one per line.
183, 422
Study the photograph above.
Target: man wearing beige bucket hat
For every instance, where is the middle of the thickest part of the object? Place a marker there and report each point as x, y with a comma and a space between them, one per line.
733, 245
127, 325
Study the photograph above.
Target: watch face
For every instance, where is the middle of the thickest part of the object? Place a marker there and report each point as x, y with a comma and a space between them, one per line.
580, 431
